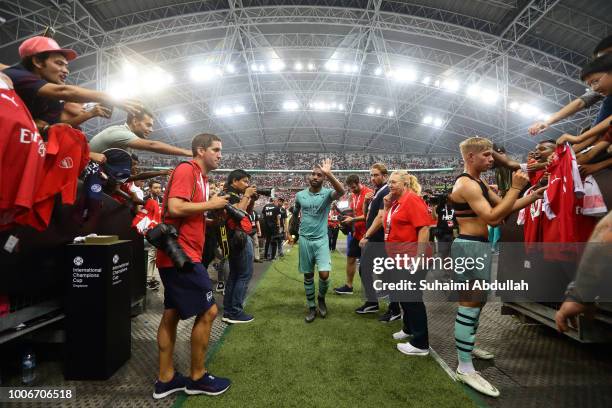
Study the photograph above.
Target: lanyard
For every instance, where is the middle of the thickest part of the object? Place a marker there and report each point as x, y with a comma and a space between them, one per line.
355, 200
394, 208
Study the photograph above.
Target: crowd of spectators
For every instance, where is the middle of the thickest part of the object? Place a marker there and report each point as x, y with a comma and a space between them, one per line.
292, 160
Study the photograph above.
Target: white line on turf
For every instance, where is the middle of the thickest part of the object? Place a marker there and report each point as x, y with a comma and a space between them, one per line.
442, 364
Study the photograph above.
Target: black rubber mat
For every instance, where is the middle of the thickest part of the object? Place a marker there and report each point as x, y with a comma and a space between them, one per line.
534, 366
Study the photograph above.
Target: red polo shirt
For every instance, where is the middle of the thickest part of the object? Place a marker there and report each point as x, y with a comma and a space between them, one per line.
357, 206
185, 178
402, 222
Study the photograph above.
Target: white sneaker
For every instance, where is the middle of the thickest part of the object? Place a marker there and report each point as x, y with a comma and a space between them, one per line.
482, 354
478, 383
410, 350
401, 335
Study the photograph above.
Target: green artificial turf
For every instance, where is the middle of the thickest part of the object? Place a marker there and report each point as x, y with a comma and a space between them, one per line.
345, 360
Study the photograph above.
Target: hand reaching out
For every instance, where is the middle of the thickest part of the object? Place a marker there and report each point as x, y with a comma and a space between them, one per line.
326, 166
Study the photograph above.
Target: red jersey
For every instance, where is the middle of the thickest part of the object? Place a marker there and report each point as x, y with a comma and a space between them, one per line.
148, 217
402, 221
560, 198
67, 156
187, 182
22, 156
356, 202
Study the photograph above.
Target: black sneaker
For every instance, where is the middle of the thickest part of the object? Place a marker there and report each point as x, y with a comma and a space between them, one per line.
343, 290
312, 314
367, 307
209, 385
389, 316
163, 389
322, 307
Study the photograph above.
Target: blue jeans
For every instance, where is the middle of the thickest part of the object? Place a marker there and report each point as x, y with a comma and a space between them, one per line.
241, 271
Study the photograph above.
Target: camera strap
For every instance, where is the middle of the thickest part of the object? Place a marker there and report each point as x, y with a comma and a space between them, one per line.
224, 241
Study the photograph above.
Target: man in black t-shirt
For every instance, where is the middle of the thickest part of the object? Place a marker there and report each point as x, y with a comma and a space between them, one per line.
282, 232
271, 217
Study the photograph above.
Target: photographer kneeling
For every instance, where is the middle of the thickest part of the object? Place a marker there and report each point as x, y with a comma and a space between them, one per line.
188, 290
242, 198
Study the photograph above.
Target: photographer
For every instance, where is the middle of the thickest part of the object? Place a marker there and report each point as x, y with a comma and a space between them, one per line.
188, 294
239, 227
271, 216
282, 233
333, 226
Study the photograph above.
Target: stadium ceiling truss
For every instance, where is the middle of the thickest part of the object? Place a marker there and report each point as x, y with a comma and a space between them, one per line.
367, 32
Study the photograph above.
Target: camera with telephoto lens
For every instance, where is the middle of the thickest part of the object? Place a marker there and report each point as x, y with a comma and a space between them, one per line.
235, 213
264, 191
345, 211
165, 238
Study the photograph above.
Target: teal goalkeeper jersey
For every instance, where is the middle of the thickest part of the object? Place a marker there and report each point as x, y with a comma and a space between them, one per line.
315, 208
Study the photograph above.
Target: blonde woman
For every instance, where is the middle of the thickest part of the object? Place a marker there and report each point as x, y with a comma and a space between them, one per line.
406, 222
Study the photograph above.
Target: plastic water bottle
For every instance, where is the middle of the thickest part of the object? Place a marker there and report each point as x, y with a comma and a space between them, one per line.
28, 367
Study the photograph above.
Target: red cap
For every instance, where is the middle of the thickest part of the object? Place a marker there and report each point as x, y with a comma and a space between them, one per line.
36, 45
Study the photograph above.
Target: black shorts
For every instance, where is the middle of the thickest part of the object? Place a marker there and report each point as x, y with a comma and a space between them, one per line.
189, 293
354, 250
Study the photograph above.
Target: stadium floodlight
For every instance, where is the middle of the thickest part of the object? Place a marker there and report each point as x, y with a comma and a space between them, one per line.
355, 68
120, 90
426, 80
230, 68
405, 75
437, 122
370, 110
333, 105
290, 105
254, 67
175, 119
340, 107
545, 116
276, 65
437, 83
332, 66
311, 66
451, 85
427, 120
473, 91
378, 111
390, 113
238, 109
378, 71
223, 111
528, 110
347, 68
298, 66
204, 73
129, 70
489, 96
514, 106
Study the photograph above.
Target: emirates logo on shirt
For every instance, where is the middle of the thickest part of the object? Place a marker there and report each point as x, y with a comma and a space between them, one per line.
66, 163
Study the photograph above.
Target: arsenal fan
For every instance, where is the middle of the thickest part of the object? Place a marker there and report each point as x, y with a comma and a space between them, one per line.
40, 80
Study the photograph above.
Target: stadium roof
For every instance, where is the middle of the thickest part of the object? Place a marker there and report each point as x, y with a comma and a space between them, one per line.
328, 75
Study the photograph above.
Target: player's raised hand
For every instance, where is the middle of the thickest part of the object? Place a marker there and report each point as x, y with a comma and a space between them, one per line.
326, 166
